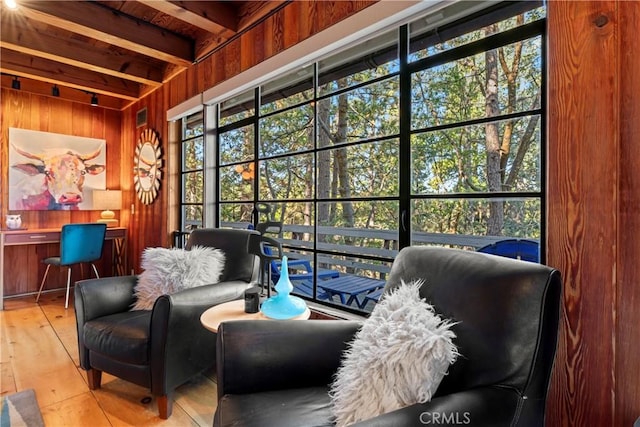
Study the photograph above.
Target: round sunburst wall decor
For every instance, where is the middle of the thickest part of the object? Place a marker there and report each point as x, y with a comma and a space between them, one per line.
147, 165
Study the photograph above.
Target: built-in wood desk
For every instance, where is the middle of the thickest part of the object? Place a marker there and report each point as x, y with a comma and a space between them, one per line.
21, 253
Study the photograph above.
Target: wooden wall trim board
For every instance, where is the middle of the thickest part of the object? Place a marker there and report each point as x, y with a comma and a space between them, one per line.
593, 219
627, 333
593, 204
582, 194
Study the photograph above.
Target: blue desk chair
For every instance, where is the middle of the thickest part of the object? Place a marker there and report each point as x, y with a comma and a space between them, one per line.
527, 250
78, 243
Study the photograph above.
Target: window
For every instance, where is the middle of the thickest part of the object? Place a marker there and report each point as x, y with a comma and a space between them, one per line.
476, 133
418, 136
192, 172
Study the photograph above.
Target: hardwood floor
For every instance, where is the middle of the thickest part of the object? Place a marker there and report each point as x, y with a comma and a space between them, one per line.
38, 350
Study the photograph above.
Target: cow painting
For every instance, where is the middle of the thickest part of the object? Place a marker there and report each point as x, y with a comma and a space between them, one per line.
54, 180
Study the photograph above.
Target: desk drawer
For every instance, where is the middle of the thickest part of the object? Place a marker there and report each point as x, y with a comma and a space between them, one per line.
32, 238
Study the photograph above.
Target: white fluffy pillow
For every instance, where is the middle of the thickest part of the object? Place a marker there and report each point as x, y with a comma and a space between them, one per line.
397, 359
167, 271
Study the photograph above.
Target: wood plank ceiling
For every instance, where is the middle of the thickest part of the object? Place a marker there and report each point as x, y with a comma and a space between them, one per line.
118, 50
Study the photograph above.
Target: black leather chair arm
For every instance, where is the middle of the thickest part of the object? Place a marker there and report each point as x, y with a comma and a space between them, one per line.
483, 406
256, 355
101, 297
180, 346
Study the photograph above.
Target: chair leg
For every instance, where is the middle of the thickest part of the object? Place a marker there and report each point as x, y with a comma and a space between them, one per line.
95, 270
165, 406
94, 377
44, 279
66, 301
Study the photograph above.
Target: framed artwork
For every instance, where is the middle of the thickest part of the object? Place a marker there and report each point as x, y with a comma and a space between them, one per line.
51, 171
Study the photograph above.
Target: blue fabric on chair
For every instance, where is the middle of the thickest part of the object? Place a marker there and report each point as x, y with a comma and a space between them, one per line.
527, 250
78, 243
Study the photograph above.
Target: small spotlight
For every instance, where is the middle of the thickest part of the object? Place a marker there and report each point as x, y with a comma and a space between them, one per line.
94, 99
15, 84
55, 91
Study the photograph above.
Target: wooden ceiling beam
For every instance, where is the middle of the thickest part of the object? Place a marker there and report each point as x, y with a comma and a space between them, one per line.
211, 16
32, 41
20, 64
171, 71
118, 49
95, 21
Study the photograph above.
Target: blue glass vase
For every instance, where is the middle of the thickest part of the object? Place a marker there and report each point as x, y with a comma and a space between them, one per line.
283, 305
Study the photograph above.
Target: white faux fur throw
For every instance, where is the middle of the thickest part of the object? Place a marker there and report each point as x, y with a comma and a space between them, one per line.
397, 359
167, 271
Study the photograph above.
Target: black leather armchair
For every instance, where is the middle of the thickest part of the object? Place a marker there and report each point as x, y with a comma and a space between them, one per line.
278, 373
165, 347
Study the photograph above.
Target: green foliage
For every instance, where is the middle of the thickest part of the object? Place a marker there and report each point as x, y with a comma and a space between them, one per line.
357, 123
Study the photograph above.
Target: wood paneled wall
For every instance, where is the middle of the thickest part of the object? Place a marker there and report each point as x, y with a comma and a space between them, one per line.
292, 24
593, 211
593, 218
148, 223
48, 114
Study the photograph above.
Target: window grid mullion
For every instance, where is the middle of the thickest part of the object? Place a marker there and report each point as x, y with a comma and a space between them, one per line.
405, 197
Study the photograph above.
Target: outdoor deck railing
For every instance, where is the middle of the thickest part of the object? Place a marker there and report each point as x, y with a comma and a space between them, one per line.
382, 244
371, 257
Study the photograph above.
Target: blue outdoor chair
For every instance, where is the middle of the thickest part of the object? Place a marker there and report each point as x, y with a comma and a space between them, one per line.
301, 274
527, 250
302, 270
78, 243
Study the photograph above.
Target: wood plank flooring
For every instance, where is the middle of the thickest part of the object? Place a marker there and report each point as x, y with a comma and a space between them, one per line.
38, 350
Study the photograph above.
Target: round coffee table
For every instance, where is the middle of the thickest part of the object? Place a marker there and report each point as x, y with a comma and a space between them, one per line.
234, 310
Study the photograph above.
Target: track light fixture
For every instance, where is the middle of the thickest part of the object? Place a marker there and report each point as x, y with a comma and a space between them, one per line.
94, 97
55, 91
15, 84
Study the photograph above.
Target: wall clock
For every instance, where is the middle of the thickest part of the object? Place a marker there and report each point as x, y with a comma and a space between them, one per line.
147, 165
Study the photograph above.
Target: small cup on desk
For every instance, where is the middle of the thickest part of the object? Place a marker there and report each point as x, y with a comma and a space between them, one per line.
252, 300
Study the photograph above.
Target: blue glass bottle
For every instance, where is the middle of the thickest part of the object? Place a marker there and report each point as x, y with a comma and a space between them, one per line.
283, 305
